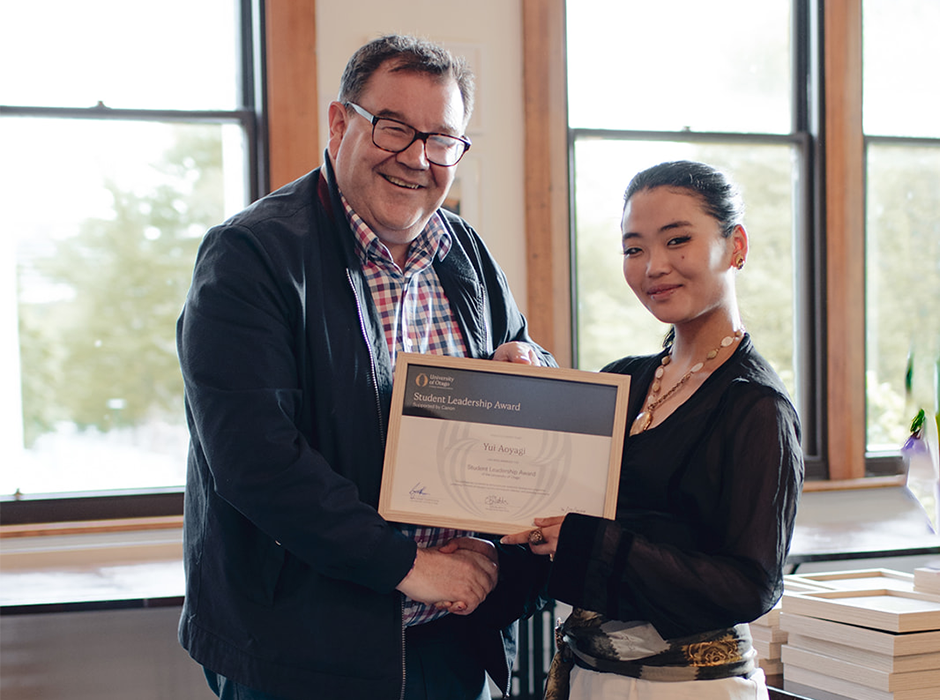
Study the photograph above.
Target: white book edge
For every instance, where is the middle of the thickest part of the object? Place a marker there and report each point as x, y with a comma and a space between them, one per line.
927, 580
805, 691
852, 690
767, 650
769, 635
869, 677
865, 657
771, 667
861, 637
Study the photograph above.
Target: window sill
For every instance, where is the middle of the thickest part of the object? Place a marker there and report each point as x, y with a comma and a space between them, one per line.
66, 567
92, 527
868, 482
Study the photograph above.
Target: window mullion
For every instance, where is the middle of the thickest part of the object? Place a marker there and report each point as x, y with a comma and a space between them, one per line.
845, 240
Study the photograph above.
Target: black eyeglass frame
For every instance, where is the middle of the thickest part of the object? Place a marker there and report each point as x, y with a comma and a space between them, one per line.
419, 136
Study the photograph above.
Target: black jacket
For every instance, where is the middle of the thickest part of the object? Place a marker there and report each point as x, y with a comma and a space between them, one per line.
290, 571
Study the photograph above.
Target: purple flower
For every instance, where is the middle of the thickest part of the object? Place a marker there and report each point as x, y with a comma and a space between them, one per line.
915, 445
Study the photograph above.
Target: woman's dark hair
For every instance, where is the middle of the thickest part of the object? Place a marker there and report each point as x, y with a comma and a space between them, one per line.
408, 54
720, 197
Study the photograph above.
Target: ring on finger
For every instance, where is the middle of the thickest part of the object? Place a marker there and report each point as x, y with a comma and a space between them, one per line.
536, 536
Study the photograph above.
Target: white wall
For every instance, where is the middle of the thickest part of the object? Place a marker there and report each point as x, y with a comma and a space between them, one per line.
489, 34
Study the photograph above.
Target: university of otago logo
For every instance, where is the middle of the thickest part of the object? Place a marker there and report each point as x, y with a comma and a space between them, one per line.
432, 380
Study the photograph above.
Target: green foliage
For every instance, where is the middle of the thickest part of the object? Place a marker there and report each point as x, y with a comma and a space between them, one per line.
902, 283
102, 352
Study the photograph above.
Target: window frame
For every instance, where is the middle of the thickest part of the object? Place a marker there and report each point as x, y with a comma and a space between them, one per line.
807, 257
20, 509
830, 325
284, 111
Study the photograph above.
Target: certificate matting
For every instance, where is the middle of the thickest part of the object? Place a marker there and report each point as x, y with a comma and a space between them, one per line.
488, 446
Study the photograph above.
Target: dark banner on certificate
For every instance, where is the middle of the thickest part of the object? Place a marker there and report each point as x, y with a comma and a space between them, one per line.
543, 403
488, 446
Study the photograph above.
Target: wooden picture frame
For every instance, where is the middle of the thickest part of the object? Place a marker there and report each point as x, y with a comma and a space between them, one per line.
486, 446
883, 609
858, 579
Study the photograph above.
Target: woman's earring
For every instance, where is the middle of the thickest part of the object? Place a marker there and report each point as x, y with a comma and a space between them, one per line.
739, 261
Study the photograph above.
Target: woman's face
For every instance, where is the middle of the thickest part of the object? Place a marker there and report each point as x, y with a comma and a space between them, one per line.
674, 257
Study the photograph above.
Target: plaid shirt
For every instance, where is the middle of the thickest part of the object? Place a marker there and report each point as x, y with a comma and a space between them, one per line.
416, 316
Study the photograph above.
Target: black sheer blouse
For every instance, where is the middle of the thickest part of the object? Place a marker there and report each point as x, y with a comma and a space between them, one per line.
705, 511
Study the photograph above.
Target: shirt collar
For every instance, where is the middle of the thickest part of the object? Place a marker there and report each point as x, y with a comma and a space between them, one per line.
435, 238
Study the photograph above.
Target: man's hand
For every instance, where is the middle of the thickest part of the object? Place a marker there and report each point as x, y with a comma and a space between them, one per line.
460, 573
474, 544
522, 353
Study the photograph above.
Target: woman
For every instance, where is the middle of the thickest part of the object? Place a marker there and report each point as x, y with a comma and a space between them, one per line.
711, 474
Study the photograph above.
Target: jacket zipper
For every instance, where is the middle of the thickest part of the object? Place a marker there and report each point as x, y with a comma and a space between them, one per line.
378, 405
365, 336
404, 667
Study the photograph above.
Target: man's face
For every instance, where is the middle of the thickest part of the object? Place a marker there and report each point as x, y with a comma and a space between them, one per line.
395, 193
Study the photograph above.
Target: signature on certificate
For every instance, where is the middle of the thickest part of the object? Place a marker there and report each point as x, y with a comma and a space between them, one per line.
496, 501
418, 490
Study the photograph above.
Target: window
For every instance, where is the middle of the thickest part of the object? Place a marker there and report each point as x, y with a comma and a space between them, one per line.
902, 138
126, 130
680, 93
902, 206
746, 88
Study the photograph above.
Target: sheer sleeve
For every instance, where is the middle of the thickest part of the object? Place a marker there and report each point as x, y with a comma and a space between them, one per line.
712, 554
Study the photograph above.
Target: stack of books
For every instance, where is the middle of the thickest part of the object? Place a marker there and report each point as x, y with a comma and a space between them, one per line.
870, 635
768, 638
766, 634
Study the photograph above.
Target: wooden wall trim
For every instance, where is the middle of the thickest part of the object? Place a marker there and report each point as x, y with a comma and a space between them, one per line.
291, 74
548, 269
845, 239
870, 482
168, 522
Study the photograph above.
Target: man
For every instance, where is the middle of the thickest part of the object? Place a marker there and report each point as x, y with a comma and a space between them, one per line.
296, 587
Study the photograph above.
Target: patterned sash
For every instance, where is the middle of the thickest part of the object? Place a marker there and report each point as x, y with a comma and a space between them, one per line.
582, 640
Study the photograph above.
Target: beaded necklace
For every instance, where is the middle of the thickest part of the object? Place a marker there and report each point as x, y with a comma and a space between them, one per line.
645, 419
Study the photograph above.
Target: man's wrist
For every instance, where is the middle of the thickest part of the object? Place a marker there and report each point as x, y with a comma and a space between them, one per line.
411, 570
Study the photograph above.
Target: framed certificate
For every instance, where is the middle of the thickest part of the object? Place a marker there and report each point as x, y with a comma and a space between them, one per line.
488, 446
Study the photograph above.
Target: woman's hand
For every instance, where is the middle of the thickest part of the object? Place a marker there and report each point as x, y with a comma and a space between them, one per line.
543, 539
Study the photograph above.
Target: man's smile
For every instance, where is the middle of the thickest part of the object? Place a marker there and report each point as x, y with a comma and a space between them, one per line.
401, 183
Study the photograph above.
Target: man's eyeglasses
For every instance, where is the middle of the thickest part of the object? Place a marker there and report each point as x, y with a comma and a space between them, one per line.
394, 136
